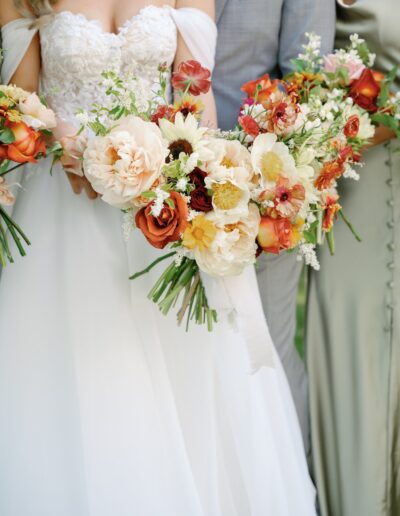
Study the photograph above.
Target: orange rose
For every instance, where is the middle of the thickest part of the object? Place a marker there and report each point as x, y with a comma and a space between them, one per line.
264, 86
275, 235
27, 145
168, 226
365, 90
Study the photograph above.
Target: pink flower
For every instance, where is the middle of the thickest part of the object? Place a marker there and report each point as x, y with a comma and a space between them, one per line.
192, 76
353, 65
288, 199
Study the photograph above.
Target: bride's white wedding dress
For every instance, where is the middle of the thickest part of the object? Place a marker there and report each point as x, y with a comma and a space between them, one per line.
106, 407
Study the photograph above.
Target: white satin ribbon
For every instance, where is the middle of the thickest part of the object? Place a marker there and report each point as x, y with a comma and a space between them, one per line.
237, 298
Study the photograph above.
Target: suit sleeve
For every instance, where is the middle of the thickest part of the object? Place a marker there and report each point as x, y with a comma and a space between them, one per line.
299, 17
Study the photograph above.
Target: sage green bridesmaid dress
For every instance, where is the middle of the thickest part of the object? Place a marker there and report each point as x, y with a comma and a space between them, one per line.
353, 326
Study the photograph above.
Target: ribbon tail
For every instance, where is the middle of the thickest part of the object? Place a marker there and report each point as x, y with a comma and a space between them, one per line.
238, 299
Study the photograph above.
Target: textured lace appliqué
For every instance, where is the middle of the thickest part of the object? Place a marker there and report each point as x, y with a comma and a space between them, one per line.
76, 50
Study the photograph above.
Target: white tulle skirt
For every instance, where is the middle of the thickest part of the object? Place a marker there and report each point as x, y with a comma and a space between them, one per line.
106, 407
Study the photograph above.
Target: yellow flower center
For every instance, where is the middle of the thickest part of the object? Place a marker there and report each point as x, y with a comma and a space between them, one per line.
113, 155
227, 162
271, 166
200, 233
226, 196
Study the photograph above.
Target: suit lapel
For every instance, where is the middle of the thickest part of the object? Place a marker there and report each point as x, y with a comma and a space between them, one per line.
221, 4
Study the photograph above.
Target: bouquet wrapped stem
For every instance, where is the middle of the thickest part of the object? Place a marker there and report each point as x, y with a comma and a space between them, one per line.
179, 280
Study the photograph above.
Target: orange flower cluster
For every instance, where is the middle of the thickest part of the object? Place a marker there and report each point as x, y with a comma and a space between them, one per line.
28, 144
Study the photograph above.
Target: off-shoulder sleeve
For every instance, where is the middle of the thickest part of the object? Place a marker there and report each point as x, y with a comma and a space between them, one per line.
199, 32
16, 38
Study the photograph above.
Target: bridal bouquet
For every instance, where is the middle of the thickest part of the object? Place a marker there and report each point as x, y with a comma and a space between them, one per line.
185, 187
307, 131
25, 124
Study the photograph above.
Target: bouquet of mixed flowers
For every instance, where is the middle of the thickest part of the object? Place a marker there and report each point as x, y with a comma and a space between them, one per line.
215, 199
25, 124
183, 186
308, 130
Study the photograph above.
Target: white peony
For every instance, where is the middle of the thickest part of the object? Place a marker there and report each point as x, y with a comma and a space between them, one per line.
126, 162
230, 178
234, 246
272, 159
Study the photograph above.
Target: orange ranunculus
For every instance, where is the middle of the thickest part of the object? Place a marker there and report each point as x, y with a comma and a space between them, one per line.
275, 235
365, 90
168, 226
332, 208
249, 125
27, 145
352, 126
329, 172
264, 86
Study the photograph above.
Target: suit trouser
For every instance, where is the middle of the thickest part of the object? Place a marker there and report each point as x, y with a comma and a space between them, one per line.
278, 279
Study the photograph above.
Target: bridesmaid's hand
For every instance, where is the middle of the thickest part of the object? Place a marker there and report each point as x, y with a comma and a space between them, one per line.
382, 135
71, 160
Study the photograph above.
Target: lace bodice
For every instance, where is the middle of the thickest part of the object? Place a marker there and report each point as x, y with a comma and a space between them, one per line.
75, 51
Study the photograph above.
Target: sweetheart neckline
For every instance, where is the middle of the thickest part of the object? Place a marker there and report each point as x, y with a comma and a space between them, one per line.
120, 28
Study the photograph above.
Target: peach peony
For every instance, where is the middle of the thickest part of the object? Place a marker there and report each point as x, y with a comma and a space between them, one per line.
126, 162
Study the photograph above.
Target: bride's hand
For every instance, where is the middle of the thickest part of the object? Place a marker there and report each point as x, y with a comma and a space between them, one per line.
71, 160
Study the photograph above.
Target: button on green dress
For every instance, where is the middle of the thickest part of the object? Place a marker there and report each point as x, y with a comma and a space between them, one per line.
353, 328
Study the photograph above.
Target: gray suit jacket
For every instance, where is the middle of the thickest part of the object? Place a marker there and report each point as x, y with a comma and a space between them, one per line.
262, 36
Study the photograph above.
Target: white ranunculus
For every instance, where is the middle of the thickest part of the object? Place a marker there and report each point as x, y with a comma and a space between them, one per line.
126, 162
234, 246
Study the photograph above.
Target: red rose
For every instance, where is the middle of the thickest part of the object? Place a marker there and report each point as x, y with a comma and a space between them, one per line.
197, 177
352, 127
168, 226
200, 200
193, 77
249, 125
365, 91
27, 145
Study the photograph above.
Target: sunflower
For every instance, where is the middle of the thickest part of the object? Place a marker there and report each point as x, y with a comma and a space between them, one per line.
185, 135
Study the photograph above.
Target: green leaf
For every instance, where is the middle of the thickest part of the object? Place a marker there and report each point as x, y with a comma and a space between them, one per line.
388, 121
6, 136
149, 195
170, 203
